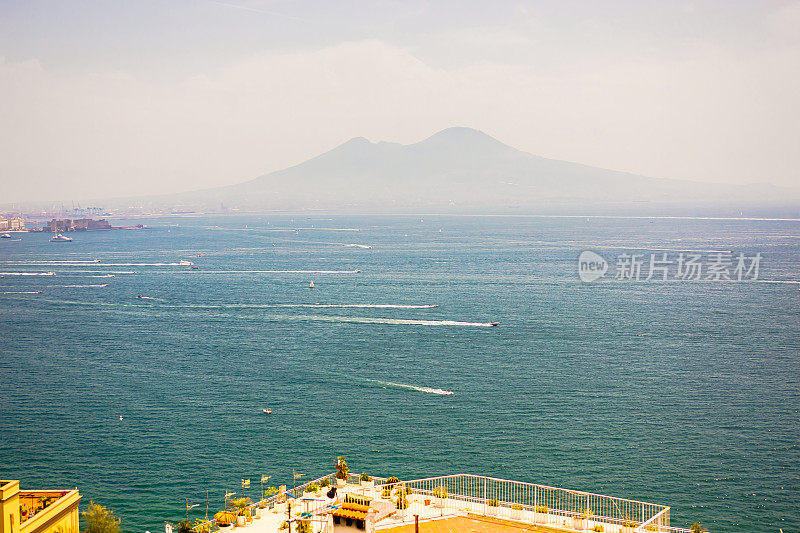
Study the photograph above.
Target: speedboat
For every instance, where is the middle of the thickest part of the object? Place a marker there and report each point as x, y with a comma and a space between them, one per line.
5, 236
266, 411
60, 238
494, 324
184, 262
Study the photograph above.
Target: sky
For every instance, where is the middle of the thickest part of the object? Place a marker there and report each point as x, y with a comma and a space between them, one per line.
106, 98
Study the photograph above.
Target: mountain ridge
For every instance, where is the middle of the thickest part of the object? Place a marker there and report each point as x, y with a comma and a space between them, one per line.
453, 170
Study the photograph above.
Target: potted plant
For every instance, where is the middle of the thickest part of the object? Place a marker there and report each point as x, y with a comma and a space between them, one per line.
580, 520
516, 511
324, 483
201, 526
540, 513
402, 503
184, 526
312, 488
492, 504
386, 494
303, 526
440, 496
366, 480
697, 527
224, 519
628, 526
240, 505
598, 528
342, 471
392, 481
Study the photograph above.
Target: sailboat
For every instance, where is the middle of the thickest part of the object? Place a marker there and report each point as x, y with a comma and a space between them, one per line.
311, 285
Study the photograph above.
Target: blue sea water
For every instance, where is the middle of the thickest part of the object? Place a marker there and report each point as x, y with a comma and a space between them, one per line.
681, 393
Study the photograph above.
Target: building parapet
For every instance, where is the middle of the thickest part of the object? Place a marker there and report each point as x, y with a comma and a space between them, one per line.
38, 511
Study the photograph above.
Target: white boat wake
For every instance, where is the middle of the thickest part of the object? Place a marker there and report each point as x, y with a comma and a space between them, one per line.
49, 262
105, 273
273, 272
388, 321
21, 292
429, 390
361, 306
301, 306
27, 274
77, 286
182, 263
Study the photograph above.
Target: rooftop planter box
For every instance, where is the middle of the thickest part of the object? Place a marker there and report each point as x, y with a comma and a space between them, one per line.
439, 497
581, 520
516, 511
366, 480
402, 503
312, 489
342, 471
492, 506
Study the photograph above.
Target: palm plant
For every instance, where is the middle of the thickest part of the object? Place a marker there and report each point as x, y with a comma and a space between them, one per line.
342, 470
241, 505
225, 518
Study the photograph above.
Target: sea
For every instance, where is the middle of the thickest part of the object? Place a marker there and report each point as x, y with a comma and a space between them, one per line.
141, 380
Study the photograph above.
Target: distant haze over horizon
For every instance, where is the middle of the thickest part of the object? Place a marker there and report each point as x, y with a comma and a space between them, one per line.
126, 99
456, 170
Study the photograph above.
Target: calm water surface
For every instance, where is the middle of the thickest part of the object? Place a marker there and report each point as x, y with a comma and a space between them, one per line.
680, 393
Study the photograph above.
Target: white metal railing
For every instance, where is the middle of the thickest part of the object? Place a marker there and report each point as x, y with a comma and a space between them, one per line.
514, 500
271, 500
655, 523
532, 503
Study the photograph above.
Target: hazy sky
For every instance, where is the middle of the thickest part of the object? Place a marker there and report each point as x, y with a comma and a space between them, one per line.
126, 97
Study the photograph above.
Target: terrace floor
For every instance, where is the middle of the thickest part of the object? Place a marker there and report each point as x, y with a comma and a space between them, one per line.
468, 524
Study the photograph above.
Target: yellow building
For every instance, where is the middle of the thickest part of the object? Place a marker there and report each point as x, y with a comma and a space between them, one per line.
38, 511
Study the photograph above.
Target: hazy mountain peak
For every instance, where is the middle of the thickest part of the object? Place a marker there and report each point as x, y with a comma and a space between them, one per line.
460, 133
463, 138
357, 141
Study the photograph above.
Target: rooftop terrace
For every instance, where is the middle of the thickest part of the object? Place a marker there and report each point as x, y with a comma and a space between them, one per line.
33, 511
461, 502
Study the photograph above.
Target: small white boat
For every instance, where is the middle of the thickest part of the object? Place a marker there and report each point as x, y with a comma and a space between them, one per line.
60, 238
5, 236
185, 263
266, 411
311, 285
